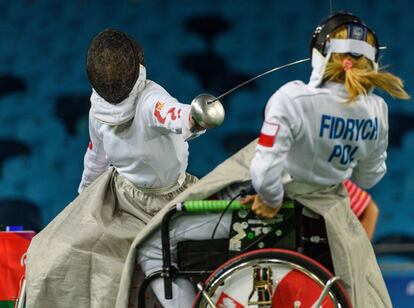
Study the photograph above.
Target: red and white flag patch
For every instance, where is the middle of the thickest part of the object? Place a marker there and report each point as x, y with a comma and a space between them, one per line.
268, 134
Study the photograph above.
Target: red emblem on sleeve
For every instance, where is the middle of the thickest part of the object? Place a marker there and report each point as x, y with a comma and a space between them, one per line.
268, 134
90, 145
171, 112
157, 112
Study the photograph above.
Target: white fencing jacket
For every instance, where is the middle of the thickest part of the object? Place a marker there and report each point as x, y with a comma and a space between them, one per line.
143, 137
314, 135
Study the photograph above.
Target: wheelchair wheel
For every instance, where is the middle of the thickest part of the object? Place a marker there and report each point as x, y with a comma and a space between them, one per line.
271, 278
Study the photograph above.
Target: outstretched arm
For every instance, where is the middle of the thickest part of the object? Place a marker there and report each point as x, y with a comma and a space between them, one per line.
166, 113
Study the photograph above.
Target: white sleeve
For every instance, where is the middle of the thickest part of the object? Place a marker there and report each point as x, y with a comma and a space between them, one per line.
276, 138
95, 161
166, 113
371, 170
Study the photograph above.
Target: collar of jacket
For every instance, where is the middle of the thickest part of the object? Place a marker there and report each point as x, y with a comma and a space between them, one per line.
111, 114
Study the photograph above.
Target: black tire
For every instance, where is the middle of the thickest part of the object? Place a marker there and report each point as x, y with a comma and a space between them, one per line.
280, 254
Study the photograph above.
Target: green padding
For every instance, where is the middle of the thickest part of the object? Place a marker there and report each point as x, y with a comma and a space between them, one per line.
213, 205
6, 304
220, 205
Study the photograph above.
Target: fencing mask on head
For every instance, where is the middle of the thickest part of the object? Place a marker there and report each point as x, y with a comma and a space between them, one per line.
322, 46
113, 64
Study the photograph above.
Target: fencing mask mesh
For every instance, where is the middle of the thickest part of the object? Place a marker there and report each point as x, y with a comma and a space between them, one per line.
113, 64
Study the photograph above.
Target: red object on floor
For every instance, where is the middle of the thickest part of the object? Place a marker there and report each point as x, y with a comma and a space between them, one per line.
13, 247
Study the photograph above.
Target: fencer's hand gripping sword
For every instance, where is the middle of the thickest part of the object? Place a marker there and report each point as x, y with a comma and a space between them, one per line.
208, 111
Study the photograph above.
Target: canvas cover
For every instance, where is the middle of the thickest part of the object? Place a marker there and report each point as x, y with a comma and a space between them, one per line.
77, 260
352, 253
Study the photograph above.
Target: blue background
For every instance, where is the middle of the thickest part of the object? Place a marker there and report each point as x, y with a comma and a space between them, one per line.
190, 47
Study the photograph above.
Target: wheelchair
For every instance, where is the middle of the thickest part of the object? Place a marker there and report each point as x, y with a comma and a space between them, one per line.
263, 263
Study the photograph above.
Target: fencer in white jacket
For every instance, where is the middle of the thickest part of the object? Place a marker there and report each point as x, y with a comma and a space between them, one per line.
144, 137
333, 128
313, 135
307, 137
320, 132
139, 130
135, 125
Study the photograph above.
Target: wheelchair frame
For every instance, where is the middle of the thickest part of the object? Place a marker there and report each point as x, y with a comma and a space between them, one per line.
170, 272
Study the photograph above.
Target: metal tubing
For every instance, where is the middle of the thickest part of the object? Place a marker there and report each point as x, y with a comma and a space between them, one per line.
21, 301
166, 253
144, 285
325, 292
200, 286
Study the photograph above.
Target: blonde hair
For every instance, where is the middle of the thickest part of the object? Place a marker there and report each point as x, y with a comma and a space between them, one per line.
359, 76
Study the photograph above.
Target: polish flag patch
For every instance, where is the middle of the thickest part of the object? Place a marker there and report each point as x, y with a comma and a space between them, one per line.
268, 134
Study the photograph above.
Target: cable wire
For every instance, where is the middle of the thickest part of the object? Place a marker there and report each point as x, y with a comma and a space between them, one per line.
223, 212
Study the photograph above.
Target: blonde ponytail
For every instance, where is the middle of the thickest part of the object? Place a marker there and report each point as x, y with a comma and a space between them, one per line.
358, 74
